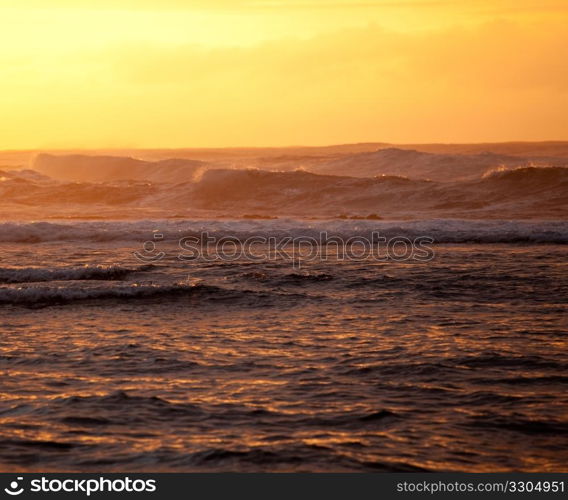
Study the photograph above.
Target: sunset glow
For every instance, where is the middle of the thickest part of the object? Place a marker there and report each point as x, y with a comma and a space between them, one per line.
283, 236
152, 73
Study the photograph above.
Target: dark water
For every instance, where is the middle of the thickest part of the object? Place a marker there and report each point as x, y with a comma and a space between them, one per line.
460, 363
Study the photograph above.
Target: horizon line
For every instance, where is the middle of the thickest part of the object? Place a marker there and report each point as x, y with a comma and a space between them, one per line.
174, 148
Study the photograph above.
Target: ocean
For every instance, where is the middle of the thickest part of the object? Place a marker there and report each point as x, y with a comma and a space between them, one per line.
118, 355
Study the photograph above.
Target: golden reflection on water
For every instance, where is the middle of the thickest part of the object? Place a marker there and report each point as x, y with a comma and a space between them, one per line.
473, 386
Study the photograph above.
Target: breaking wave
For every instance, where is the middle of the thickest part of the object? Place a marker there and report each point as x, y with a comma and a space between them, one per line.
174, 188
51, 295
54, 294
551, 175
440, 230
37, 274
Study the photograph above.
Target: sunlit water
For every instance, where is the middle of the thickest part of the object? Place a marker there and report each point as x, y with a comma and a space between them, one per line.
460, 363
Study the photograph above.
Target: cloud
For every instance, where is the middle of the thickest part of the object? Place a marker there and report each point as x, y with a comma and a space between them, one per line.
495, 6
494, 56
214, 4
498, 81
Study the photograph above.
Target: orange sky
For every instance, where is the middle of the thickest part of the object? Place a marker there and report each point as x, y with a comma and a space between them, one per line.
173, 73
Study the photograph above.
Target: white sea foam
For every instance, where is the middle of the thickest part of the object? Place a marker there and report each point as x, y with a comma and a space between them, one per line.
441, 230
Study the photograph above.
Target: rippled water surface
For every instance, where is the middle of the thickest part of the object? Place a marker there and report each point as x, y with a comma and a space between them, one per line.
460, 363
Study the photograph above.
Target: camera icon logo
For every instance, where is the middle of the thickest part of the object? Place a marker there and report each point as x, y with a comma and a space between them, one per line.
149, 251
14, 489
